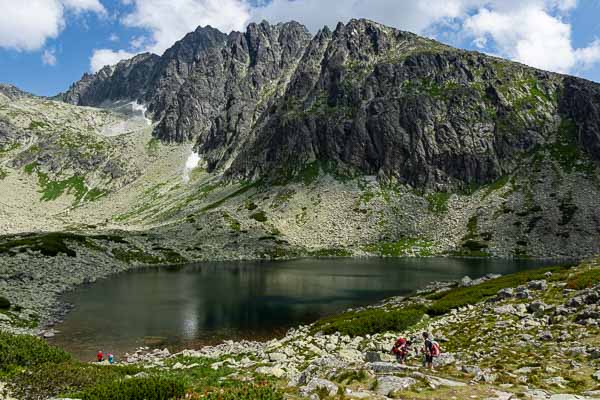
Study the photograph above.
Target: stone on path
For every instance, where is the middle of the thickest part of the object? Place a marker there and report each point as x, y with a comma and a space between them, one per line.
389, 384
373, 356
435, 381
538, 285
319, 384
276, 357
271, 371
387, 367
350, 355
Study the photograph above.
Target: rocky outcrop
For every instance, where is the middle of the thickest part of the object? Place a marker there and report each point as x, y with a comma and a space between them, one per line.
12, 92
483, 350
392, 104
126, 80
580, 101
364, 98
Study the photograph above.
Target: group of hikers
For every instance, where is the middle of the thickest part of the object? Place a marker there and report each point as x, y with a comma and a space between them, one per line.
401, 349
100, 357
430, 349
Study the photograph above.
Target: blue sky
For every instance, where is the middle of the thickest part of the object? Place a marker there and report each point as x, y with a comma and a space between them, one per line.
45, 45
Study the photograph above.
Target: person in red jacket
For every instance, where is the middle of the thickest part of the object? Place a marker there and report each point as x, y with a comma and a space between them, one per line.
401, 349
100, 356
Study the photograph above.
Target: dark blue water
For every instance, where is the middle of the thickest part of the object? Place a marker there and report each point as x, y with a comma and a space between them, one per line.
214, 301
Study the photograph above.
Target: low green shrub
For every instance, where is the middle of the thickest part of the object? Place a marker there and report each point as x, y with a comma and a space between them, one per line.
378, 320
246, 392
4, 303
584, 280
460, 297
27, 351
142, 388
259, 216
54, 379
371, 321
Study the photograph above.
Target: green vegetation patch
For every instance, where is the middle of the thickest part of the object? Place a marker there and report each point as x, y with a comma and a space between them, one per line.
371, 321
438, 202
4, 303
493, 187
53, 189
460, 297
568, 210
233, 223
74, 185
259, 216
52, 244
238, 192
35, 370
38, 125
566, 152
246, 391
3, 173
140, 388
153, 146
27, 351
9, 148
473, 244
584, 280
309, 173
401, 248
376, 320
330, 253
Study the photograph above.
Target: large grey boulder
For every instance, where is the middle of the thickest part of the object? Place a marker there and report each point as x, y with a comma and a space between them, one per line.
390, 384
538, 285
316, 384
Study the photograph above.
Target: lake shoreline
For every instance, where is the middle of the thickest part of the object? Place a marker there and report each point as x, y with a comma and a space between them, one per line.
372, 280
36, 284
488, 329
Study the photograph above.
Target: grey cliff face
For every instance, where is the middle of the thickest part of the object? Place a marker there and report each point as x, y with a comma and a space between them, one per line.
364, 98
13, 92
126, 80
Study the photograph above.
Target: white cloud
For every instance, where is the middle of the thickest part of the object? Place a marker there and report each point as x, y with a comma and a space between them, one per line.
531, 34
535, 32
49, 57
588, 56
113, 37
26, 25
169, 20
413, 16
85, 5
528, 35
104, 57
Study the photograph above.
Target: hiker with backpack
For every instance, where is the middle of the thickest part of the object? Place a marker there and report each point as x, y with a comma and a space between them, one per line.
431, 349
401, 349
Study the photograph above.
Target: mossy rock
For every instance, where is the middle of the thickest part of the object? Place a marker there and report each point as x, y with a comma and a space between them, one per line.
260, 216
4, 303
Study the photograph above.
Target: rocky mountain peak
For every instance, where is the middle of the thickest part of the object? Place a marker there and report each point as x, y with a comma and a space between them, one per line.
12, 92
365, 97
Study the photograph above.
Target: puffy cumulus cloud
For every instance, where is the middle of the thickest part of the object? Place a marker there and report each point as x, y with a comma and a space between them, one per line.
103, 57
26, 25
588, 56
49, 57
534, 33
167, 21
84, 5
414, 16
529, 35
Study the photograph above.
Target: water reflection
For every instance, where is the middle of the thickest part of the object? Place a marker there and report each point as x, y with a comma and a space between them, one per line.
243, 299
